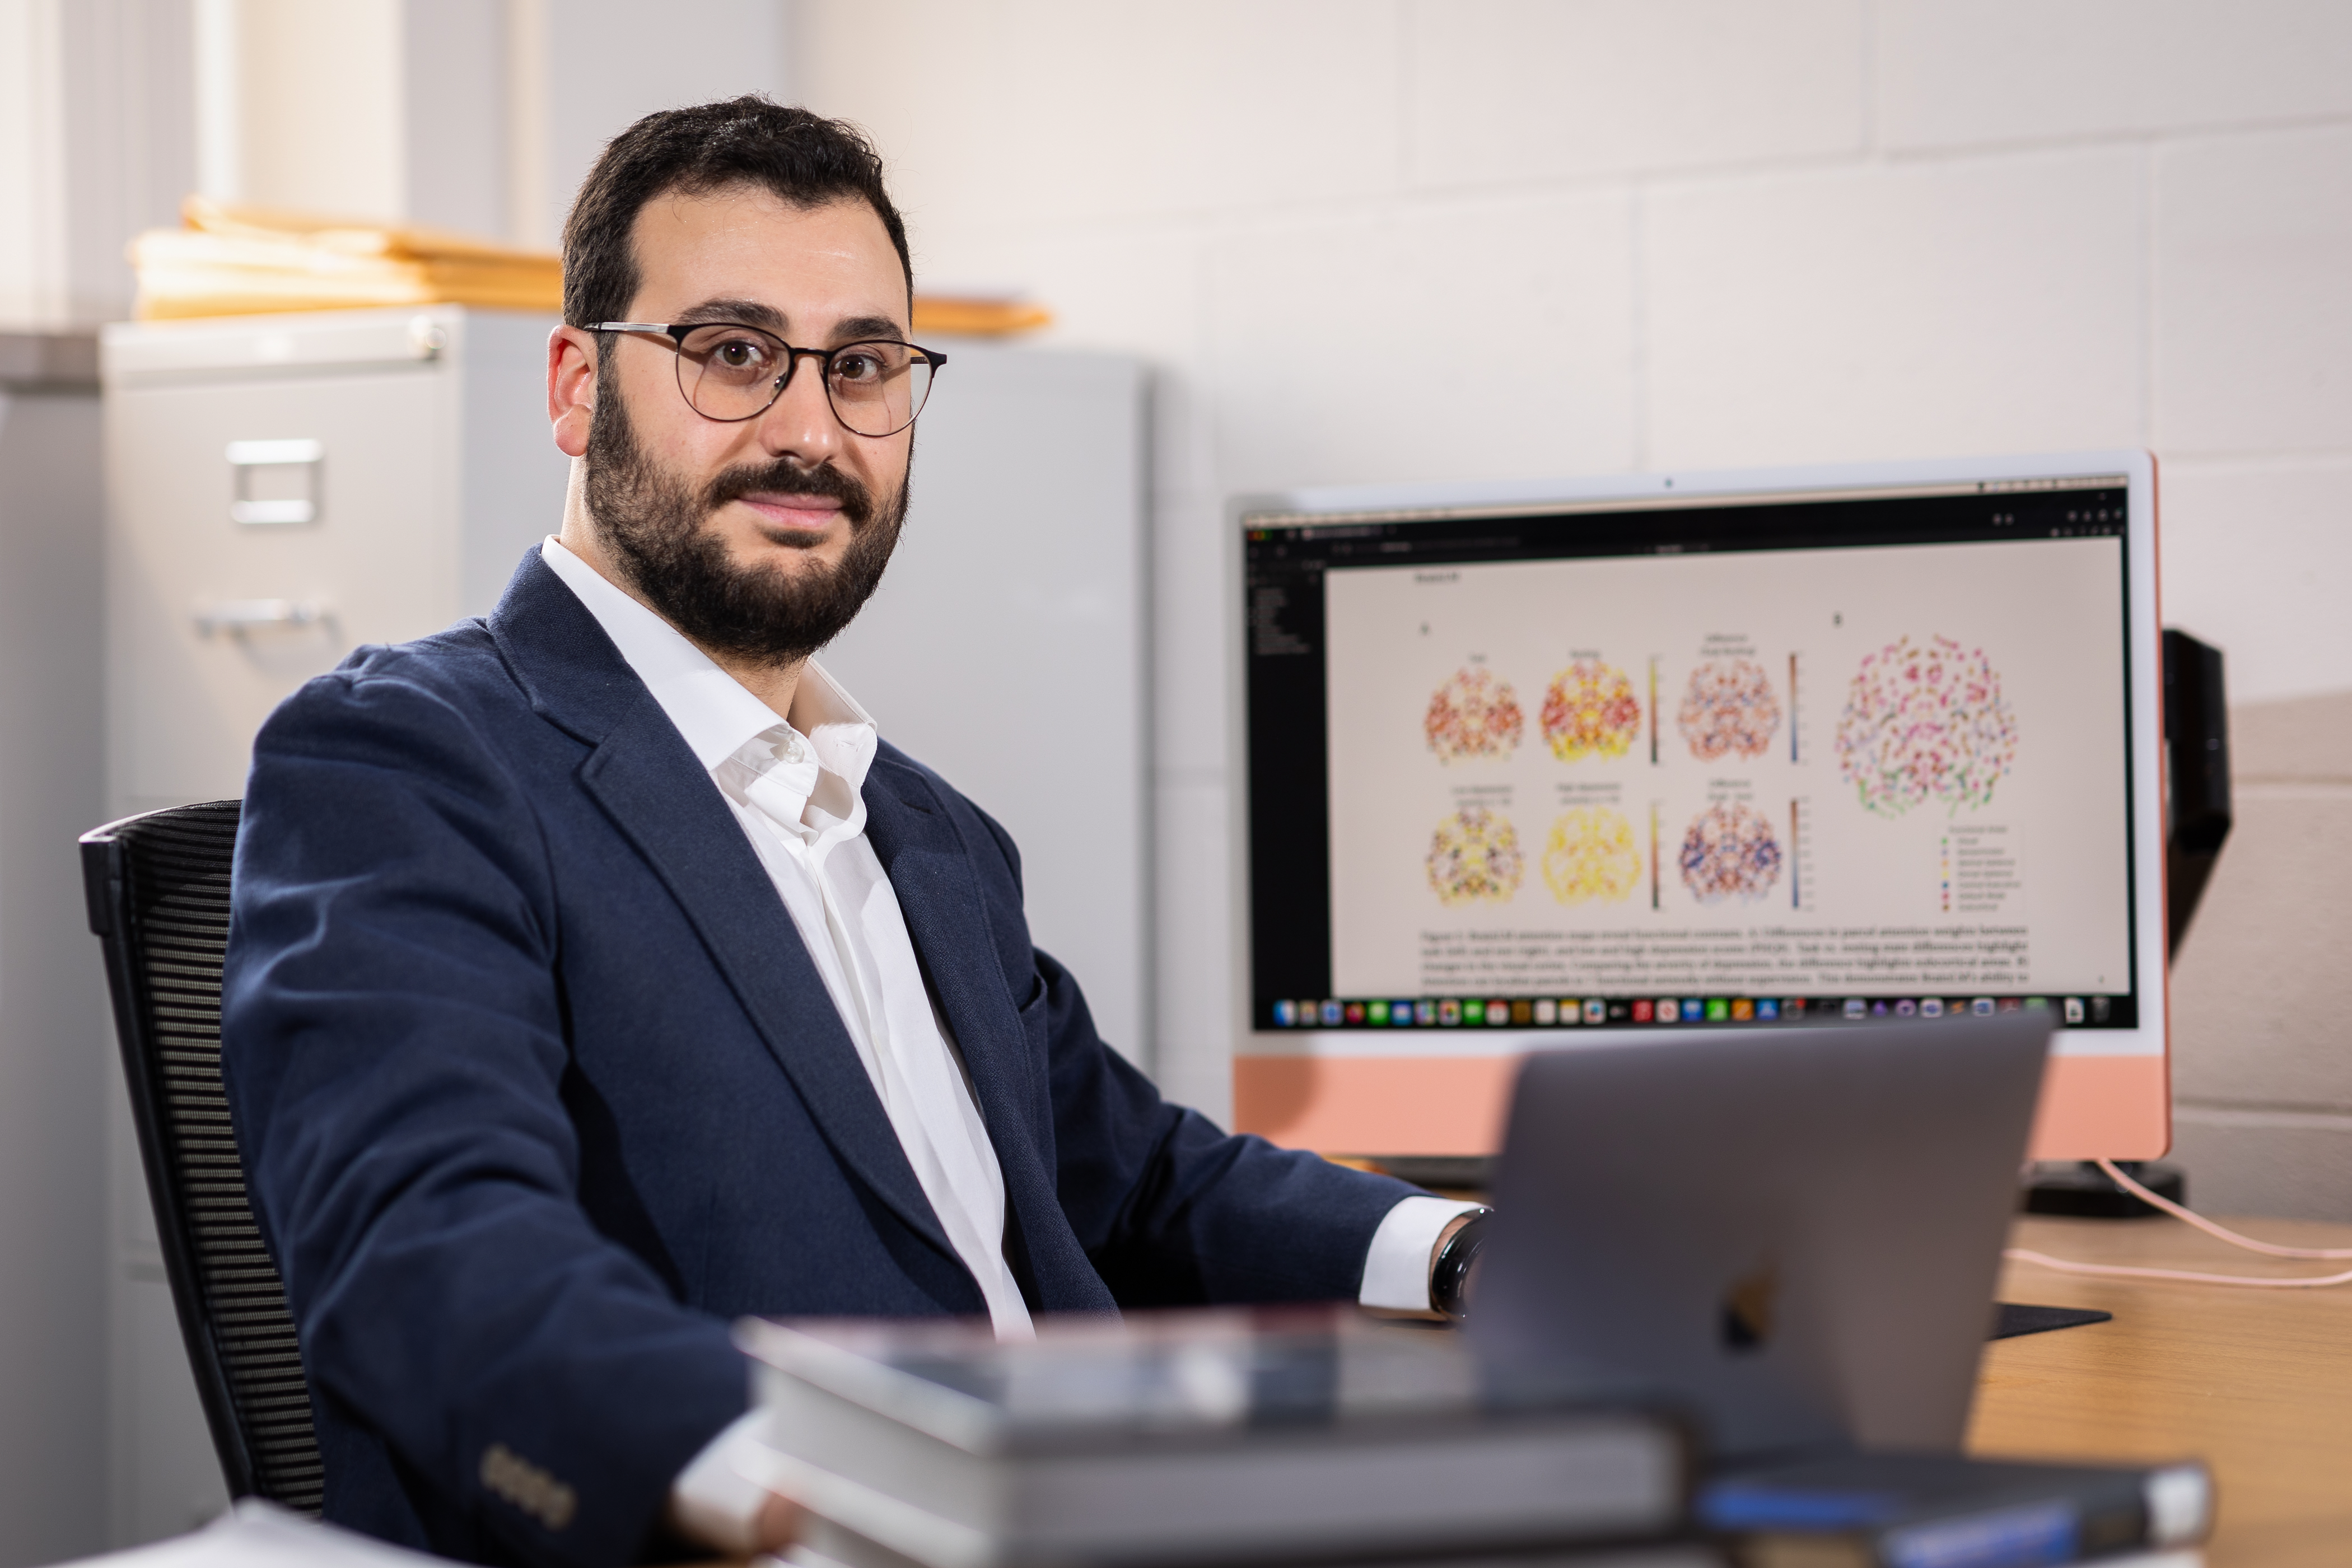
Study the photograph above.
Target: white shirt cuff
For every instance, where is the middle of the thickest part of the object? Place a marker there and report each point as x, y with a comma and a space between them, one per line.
718, 1497
1396, 1268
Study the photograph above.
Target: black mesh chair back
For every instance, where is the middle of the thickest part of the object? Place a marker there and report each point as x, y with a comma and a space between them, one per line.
158, 893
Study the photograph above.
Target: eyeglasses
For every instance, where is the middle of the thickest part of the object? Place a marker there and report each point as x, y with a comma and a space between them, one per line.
732, 372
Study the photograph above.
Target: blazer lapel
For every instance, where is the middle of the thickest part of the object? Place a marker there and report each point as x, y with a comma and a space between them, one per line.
649, 783
930, 871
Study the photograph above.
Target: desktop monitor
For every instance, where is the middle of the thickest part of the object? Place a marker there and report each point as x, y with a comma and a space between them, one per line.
1628, 759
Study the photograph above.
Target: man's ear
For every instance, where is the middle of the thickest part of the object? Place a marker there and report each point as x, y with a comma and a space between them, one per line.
570, 387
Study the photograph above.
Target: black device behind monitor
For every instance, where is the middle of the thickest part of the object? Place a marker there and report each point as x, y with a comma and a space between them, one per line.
2196, 775
2197, 818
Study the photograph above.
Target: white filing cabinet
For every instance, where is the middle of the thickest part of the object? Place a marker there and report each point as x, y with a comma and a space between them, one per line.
279, 490
282, 489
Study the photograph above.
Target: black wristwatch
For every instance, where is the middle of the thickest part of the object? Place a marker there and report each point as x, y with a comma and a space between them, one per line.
1449, 1276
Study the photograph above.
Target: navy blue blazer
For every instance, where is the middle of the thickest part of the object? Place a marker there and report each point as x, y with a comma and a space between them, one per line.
537, 1090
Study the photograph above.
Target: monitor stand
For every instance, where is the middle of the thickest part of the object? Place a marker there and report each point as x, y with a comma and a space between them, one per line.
2012, 1318
2080, 1190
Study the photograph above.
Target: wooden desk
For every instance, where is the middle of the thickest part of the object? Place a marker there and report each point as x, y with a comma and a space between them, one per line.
2256, 1382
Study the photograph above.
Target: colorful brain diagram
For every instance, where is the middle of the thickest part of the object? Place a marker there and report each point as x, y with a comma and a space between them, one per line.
1730, 853
1589, 711
1926, 721
1474, 855
1590, 856
1728, 706
1474, 714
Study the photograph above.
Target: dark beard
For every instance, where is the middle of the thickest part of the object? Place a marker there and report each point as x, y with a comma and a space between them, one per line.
654, 525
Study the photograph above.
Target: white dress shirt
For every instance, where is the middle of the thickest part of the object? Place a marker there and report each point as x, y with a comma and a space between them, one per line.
796, 787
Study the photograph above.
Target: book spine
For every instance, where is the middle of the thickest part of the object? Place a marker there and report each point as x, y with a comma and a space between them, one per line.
2114, 1512
2028, 1537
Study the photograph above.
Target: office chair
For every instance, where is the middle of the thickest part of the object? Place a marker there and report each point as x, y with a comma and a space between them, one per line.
157, 886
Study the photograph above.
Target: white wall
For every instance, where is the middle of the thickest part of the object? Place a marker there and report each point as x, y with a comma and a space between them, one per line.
95, 97
2262, 1083
301, 104
474, 115
592, 66
1676, 233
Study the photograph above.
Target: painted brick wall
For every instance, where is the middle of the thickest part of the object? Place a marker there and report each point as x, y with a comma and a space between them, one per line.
1696, 233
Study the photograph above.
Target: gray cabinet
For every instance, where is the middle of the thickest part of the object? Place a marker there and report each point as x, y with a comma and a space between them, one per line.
1008, 644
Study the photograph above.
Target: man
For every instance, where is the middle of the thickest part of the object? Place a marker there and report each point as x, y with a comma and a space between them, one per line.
598, 975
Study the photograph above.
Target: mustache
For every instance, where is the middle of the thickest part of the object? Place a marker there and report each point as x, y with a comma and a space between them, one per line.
785, 478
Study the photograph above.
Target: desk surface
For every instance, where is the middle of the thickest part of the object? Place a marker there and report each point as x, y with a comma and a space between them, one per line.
2256, 1382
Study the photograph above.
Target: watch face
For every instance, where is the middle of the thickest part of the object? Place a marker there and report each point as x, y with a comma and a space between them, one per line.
1450, 1275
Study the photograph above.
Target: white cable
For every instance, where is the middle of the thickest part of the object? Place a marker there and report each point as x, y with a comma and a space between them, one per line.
2121, 1271
2269, 1249
2125, 1271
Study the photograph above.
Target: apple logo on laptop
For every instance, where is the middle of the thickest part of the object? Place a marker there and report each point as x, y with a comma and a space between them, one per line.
1748, 1307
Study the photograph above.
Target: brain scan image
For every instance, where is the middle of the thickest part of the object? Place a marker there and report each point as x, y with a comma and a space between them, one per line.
1731, 852
1474, 714
1728, 706
1926, 721
1591, 857
1589, 711
1474, 857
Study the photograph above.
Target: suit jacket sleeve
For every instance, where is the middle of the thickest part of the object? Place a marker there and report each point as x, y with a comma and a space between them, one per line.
1171, 1210
393, 1045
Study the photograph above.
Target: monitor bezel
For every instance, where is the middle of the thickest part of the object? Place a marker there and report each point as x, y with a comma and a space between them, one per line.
2108, 1091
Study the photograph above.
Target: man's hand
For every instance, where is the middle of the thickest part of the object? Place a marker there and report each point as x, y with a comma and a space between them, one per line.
779, 1524
726, 1499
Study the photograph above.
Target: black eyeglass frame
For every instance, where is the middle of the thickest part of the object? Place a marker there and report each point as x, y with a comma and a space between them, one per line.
679, 332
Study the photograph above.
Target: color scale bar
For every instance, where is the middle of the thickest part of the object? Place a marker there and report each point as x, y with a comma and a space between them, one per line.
1796, 857
1654, 750
1792, 708
1653, 850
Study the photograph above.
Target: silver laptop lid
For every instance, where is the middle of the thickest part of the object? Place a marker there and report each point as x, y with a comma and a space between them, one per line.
1797, 1232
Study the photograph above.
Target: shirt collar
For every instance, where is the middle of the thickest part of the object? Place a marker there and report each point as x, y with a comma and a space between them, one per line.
711, 709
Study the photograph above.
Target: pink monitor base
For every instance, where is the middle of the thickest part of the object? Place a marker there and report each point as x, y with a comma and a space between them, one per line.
2091, 1106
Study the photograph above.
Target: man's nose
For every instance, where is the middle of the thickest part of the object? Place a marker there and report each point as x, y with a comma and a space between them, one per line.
801, 420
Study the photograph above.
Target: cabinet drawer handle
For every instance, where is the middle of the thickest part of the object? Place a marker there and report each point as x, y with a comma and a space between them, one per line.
245, 457
237, 616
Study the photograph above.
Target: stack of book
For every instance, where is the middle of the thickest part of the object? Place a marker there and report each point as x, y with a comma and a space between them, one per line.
1197, 1437
1320, 1437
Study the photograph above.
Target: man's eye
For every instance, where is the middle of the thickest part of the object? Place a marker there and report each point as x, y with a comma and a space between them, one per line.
856, 367
740, 354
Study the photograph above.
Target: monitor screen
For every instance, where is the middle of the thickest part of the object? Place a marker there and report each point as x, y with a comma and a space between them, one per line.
1722, 756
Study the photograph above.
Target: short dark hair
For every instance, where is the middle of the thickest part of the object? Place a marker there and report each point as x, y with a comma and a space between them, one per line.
803, 158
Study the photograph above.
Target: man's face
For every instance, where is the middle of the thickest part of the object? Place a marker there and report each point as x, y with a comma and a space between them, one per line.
761, 538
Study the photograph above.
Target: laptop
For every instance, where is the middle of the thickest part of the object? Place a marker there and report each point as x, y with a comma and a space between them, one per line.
1794, 1232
